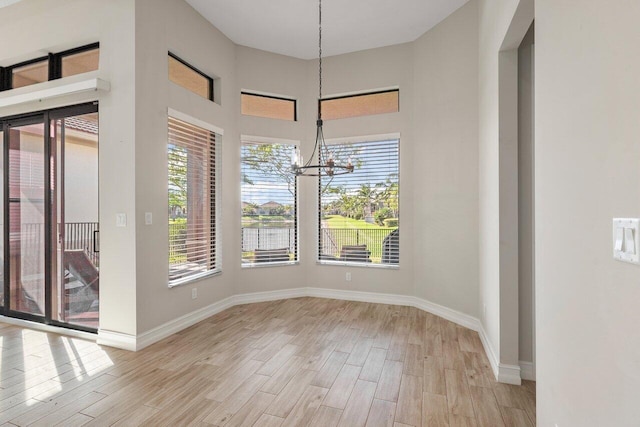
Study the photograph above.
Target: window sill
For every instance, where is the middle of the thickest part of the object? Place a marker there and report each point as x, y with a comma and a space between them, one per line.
52, 89
250, 265
195, 278
360, 264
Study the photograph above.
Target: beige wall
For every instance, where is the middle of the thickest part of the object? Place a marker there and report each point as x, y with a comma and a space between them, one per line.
34, 28
502, 25
526, 291
587, 151
445, 181
162, 26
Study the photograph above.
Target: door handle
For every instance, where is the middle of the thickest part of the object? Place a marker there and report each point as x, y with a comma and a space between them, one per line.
96, 236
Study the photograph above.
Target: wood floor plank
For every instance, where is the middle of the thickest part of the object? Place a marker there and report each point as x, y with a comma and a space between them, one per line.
288, 397
357, 409
267, 420
435, 412
460, 421
360, 352
283, 375
514, 417
409, 408
414, 360
434, 381
458, 396
373, 365
251, 411
389, 383
381, 414
343, 385
486, 408
327, 375
306, 407
326, 416
60, 414
227, 408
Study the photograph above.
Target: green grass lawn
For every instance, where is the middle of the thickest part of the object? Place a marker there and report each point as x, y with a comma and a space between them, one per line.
347, 231
339, 221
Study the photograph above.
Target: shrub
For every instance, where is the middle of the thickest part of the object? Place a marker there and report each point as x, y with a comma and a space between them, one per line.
391, 222
382, 214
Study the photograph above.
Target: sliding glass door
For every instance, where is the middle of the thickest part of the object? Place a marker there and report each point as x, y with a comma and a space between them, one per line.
26, 216
50, 205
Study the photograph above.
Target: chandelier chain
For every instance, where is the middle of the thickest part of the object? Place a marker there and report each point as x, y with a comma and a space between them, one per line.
320, 58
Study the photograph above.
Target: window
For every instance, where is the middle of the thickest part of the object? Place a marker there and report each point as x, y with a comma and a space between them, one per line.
190, 78
359, 211
270, 107
269, 200
79, 61
29, 74
365, 104
56, 65
191, 155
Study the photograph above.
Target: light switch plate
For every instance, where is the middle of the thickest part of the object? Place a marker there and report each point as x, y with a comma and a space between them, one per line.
148, 218
626, 239
121, 220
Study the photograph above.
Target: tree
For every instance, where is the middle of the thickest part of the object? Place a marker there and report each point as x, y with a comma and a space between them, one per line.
177, 165
270, 159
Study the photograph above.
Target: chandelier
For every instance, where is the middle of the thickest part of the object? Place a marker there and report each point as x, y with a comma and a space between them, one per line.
326, 166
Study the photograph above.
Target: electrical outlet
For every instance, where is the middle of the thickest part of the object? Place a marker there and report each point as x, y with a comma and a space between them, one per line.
194, 293
148, 218
348, 277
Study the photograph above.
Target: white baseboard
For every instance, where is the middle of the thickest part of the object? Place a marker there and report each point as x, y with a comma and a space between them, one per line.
117, 339
176, 325
527, 371
510, 374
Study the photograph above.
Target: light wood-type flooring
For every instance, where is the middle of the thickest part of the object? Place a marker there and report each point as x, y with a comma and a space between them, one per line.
304, 361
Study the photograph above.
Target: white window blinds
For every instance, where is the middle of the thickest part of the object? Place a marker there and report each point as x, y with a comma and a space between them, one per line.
269, 201
359, 212
191, 156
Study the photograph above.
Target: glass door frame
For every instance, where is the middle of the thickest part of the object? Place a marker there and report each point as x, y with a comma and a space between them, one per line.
46, 117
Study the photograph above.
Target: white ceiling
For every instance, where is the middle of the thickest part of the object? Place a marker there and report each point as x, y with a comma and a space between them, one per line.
290, 27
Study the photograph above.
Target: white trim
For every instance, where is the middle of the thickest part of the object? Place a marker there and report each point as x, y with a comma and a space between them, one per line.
117, 339
192, 120
10, 99
361, 92
363, 138
504, 373
528, 370
269, 296
266, 140
176, 325
268, 94
509, 374
48, 328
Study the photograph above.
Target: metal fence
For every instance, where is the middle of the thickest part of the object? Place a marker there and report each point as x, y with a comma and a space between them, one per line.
78, 235
268, 238
332, 240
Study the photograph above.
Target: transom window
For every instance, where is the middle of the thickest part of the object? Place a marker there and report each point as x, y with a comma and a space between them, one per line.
268, 106
359, 212
189, 77
364, 104
54, 66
